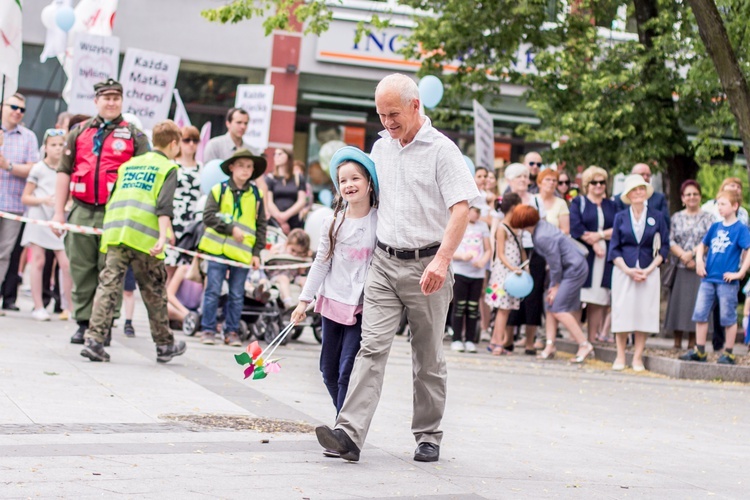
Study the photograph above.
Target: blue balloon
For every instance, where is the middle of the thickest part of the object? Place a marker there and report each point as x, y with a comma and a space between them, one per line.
65, 18
470, 164
430, 91
325, 197
212, 175
519, 285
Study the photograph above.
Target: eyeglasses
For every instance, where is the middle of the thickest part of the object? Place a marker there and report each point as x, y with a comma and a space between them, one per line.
598, 183
688, 195
190, 139
563, 182
536, 164
16, 107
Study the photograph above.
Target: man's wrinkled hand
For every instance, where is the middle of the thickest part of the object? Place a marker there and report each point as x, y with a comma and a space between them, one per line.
434, 275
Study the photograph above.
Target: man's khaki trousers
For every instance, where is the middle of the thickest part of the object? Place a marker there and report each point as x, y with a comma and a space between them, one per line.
392, 286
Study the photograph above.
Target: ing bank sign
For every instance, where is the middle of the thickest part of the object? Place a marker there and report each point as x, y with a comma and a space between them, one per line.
380, 49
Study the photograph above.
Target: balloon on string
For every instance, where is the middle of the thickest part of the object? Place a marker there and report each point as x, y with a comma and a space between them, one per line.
325, 197
48, 16
327, 151
65, 17
212, 175
470, 164
430, 91
519, 285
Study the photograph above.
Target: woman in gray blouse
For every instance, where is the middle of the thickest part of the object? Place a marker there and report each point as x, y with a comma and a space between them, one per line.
568, 271
687, 230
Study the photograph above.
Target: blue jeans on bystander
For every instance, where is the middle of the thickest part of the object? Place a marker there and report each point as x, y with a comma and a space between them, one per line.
340, 347
214, 279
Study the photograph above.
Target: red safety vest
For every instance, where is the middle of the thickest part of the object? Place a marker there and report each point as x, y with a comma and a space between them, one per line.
94, 176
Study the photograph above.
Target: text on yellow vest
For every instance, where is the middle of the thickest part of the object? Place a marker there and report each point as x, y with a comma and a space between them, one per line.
130, 218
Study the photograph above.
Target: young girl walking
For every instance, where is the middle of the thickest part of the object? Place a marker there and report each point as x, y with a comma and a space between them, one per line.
38, 195
338, 274
509, 255
469, 262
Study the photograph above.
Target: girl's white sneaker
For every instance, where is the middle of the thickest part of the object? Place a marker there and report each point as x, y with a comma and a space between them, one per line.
40, 314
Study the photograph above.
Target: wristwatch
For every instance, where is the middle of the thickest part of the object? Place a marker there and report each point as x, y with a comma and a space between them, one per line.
10, 167
601, 234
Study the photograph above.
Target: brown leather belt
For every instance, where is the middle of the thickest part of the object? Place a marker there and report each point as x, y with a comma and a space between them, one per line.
409, 254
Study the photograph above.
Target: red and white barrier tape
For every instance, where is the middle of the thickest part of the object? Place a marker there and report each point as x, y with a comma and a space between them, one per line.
75, 228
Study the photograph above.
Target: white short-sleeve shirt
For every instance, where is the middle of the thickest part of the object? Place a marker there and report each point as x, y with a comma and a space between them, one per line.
419, 182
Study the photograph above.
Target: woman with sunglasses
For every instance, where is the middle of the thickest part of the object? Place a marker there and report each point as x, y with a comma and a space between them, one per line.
563, 186
39, 196
592, 216
687, 229
187, 193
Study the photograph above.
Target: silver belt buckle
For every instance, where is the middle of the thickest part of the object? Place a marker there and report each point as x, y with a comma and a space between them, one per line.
416, 254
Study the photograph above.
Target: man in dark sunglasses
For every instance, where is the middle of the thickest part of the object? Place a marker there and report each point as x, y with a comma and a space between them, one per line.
533, 161
93, 154
19, 150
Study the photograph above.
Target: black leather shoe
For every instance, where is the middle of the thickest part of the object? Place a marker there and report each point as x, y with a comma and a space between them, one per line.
11, 307
77, 337
427, 452
337, 440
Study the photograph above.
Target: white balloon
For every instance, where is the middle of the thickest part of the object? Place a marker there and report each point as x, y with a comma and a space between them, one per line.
48, 16
314, 224
326, 153
132, 119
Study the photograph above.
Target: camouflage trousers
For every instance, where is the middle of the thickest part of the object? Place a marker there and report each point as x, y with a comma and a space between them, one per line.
151, 276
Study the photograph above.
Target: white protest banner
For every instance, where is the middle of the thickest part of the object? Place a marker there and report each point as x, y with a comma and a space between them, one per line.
148, 79
257, 101
484, 137
95, 59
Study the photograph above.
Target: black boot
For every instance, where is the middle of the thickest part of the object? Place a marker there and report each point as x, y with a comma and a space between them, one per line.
77, 337
94, 351
165, 353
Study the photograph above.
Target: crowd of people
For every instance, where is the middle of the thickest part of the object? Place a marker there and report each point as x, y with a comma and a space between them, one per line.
411, 234
628, 249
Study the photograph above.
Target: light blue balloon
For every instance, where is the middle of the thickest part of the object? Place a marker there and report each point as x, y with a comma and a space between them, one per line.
470, 164
519, 286
65, 18
430, 91
212, 175
325, 197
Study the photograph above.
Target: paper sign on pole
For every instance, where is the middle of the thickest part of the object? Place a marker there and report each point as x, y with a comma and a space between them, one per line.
257, 101
148, 79
95, 59
484, 137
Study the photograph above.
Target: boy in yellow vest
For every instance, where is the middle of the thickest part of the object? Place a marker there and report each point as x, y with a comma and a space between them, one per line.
235, 223
137, 222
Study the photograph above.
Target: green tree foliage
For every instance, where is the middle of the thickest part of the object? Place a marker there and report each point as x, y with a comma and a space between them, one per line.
617, 101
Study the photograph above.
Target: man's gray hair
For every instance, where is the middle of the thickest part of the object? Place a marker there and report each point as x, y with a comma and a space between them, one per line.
402, 84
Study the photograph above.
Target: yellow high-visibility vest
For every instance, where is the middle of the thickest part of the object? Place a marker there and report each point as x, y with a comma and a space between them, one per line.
244, 215
130, 218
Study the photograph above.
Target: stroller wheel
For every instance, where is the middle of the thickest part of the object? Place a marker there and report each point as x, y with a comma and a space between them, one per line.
191, 323
317, 326
271, 332
297, 332
244, 332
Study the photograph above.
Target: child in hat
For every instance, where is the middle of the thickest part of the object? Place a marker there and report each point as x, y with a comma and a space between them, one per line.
337, 276
235, 224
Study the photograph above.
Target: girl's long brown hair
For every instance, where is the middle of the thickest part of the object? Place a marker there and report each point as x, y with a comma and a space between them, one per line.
339, 205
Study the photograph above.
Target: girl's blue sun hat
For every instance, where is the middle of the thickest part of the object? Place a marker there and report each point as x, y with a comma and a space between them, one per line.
350, 153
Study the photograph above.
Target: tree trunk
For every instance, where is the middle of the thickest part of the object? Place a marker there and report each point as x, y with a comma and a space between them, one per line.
714, 36
679, 168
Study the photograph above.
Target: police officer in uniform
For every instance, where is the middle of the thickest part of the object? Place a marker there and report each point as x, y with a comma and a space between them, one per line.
88, 171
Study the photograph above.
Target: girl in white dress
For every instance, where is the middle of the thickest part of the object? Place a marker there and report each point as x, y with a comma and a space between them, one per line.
38, 195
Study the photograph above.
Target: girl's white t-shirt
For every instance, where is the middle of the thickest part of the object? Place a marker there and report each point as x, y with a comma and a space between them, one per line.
339, 282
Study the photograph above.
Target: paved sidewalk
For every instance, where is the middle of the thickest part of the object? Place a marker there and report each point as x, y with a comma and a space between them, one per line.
514, 426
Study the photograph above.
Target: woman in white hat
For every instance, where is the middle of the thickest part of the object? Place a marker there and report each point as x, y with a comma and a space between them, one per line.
640, 243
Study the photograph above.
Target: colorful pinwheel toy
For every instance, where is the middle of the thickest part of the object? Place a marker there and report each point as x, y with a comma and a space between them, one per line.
258, 361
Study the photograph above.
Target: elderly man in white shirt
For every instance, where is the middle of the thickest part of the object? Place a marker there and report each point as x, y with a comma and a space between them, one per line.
425, 191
